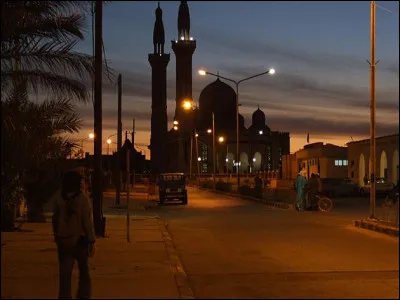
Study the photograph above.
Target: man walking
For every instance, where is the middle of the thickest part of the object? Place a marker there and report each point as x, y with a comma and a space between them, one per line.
74, 235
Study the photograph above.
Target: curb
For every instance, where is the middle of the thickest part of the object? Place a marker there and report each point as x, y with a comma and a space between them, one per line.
181, 278
374, 226
281, 205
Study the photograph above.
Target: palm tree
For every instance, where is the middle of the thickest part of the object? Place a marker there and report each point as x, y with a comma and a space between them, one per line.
37, 42
38, 57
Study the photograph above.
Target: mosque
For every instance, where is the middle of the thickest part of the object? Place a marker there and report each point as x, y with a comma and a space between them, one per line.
188, 147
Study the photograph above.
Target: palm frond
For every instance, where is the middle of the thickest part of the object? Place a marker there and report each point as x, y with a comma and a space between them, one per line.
54, 83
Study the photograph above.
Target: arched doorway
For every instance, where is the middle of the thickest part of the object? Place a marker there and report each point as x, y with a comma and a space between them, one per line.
256, 161
244, 162
383, 166
395, 166
361, 170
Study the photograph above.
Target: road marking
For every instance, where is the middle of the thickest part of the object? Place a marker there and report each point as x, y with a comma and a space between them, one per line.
181, 278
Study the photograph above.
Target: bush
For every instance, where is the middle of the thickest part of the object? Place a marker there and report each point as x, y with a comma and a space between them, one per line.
208, 184
245, 190
224, 186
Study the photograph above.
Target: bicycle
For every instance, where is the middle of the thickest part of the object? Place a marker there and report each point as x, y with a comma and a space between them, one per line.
324, 203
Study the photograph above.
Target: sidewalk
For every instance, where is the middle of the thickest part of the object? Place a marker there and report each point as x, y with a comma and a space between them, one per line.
140, 269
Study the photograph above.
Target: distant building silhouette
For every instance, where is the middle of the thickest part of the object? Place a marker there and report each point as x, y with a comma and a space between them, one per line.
159, 119
260, 148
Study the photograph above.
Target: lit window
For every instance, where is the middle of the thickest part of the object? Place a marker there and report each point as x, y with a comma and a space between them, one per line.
337, 162
345, 162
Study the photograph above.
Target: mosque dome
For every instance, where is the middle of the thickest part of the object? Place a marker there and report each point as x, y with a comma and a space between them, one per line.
258, 118
217, 94
220, 98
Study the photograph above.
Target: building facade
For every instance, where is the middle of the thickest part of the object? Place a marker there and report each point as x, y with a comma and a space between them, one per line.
327, 160
261, 149
387, 159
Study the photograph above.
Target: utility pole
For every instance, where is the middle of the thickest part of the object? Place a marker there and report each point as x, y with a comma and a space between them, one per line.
119, 142
133, 132
213, 145
128, 169
191, 156
99, 220
133, 145
197, 158
372, 64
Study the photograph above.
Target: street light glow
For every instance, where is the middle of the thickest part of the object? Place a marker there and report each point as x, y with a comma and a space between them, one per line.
187, 104
175, 127
196, 135
91, 135
199, 158
271, 71
221, 139
209, 130
109, 141
260, 132
254, 159
202, 72
176, 122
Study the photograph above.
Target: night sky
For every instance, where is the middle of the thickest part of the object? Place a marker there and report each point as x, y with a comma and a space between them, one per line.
319, 51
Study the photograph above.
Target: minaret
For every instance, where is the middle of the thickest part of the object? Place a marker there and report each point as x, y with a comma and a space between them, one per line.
159, 119
184, 48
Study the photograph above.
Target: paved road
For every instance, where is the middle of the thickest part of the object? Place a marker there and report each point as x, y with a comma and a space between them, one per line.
232, 248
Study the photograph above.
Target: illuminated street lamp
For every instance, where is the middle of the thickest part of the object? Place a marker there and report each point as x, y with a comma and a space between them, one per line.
90, 137
209, 130
175, 128
221, 139
187, 104
260, 132
109, 142
108, 146
204, 72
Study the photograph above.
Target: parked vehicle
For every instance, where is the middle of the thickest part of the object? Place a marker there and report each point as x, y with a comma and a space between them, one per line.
339, 187
172, 186
383, 188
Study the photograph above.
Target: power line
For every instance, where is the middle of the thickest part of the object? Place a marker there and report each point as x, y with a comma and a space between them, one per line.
386, 9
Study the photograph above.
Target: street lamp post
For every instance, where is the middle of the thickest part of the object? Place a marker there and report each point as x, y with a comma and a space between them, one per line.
90, 137
237, 83
109, 141
213, 145
372, 114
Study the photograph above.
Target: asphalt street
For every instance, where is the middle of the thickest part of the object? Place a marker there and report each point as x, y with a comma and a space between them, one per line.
233, 248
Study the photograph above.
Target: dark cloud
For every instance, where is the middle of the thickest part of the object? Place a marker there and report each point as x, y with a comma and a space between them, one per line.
261, 48
138, 83
304, 125
293, 85
290, 123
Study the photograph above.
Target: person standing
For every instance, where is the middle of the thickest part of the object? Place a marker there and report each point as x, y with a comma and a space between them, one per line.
301, 183
313, 188
74, 235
